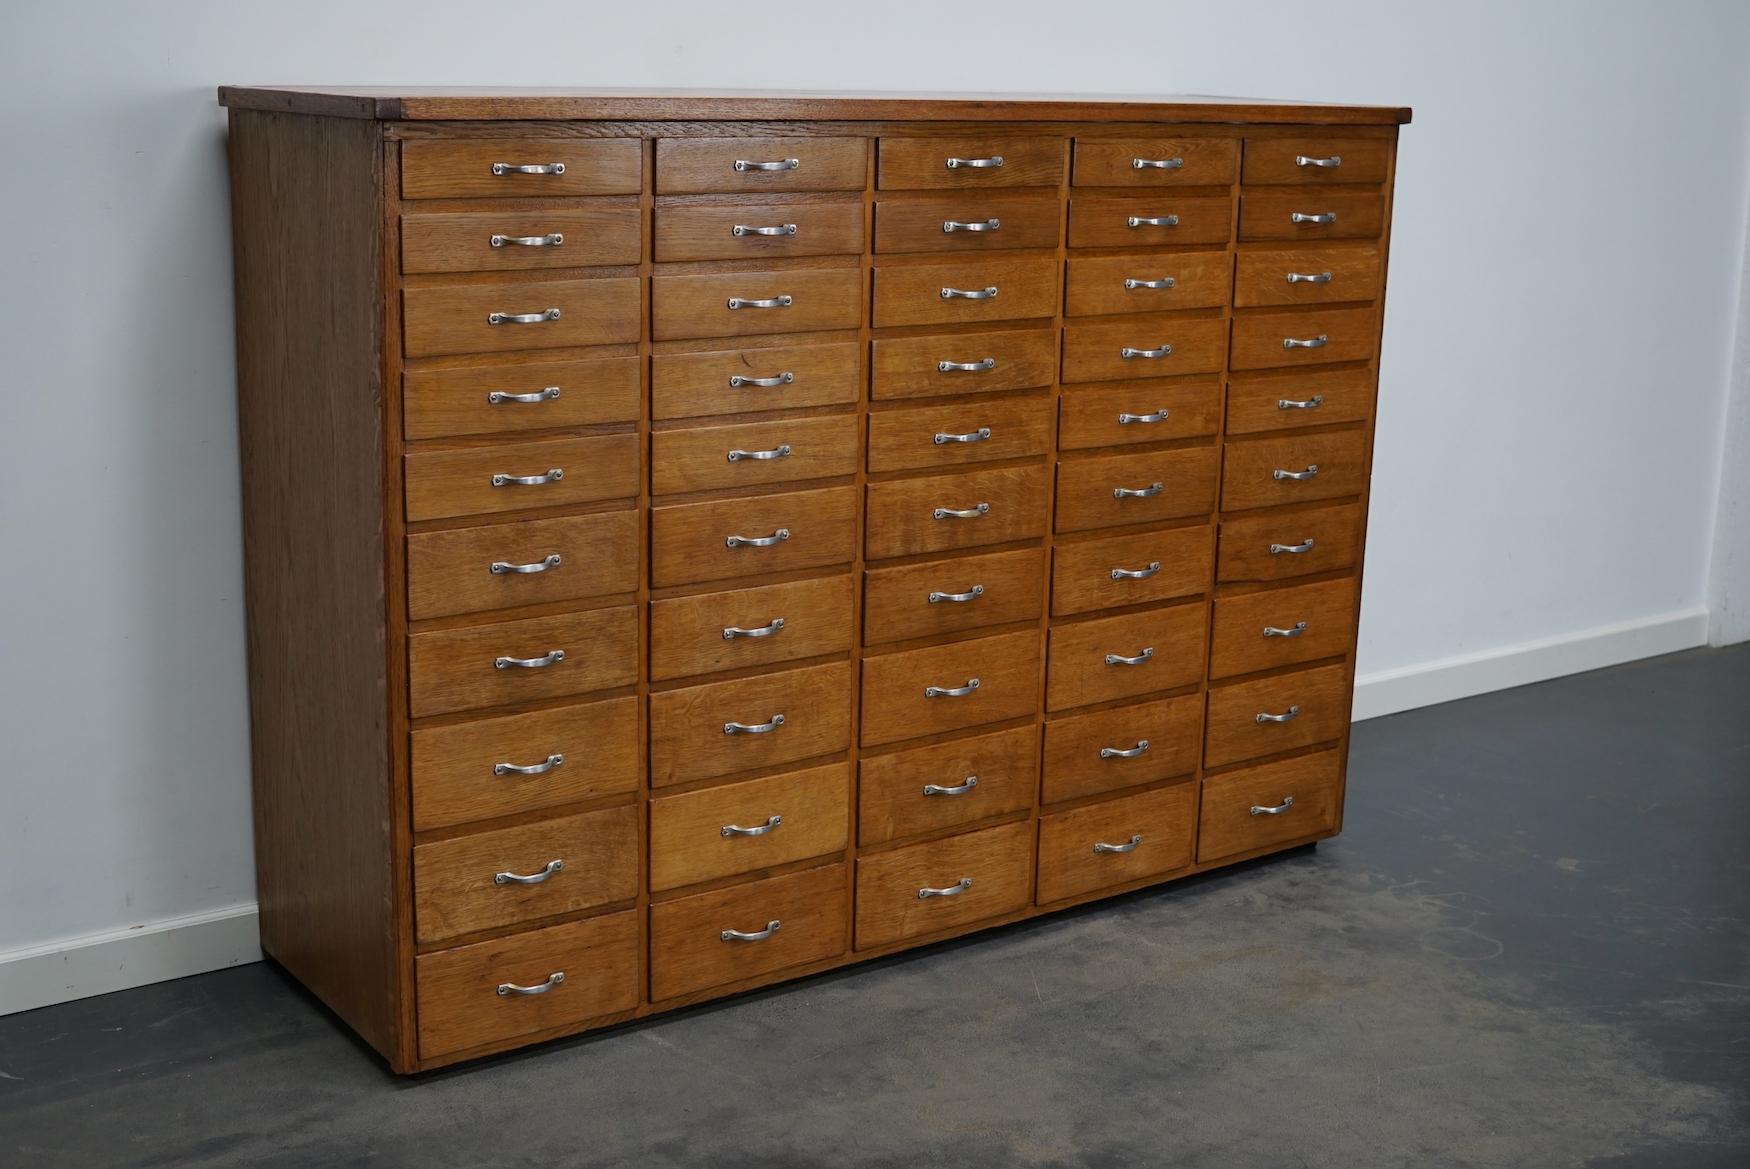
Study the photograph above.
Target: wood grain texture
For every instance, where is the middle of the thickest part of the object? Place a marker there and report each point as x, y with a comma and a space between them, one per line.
1260, 340
897, 605
1159, 410
1095, 350
1248, 544
453, 669
996, 860
1270, 214
906, 440
1086, 488
896, 707
600, 233
1111, 162
1103, 285
1237, 641
462, 168
688, 952
688, 742
1285, 401
687, 845
998, 772
460, 482
914, 294
689, 541
450, 572
457, 318
1081, 668
903, 513
919, 223
688, 385
440, 403
923, 163
1074, 763
1262, 277
1291, 160
1157, 828
706, 231
1227, 825
1175, 563
910, 367
1117, 221
686, 633
698, 458
1249, 469
707, 165
1318, 699
698, 305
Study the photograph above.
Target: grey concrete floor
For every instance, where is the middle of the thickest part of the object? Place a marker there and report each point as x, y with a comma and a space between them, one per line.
1529, 948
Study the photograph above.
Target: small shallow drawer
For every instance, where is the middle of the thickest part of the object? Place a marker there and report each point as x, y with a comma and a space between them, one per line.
516, 661
1110, 490
1158, 282
945, 437
491, 767
1318, 338
1244, 811
1297, 468
744, 381
732, 538
964, 161
962, 363
948, 785
1155, 162
951, 596
1317, 397
753, 454
1311, 215
493, 318
1147, 221
741, 827
725, 727
543, 980
1095, 351
473, 570
1251, 719
506, 241
729, 935
739, 304
520, 168
761, 626
1282, 627
967, 510
753, 231
1155, 410
1122, 657
546, 473
966, 223
1132, 569
1277, 545
949, 687
1306, 276
965, 291
492, 880
709, 165
943, 884
1087, 754
1317, 161
506, 399
1117, 842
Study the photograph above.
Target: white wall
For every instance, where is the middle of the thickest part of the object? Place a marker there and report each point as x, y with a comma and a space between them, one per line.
1571, 197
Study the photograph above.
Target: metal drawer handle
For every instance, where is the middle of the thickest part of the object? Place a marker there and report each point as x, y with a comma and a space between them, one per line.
1152, 489
1334, 161
1305, 545
1163, 282
1312, 403
990, 163
1309, 277
736, 381
550, 240
1312, 217
966, 366
1150, 354
781, 451
505, 567
506, 989
951, 691
1159, 415
1293, 631
499, 397
952, 225
765, 728
959, 789
551, 658
1152, 220
731, 632
1318, 342
978, 435
1156, 163
776, 229
528, 168
958, 887
1147, 652
743, 165
771, 823
551, 314
1312, 470
971, 594
546, 874
1286, 716
1154, 566
1287, 803
1127, 846
753, 936
1124, 752
783, 300
961, 513
776, 537
543, 768
553, 475
986, 293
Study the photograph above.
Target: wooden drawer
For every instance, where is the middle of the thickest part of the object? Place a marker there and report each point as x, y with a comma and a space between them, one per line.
1128, 839
480, 480
506, 399
473, 570
1125, 413
1264, 341
716, 938
691, 542
1246, 719
949, 162
805, 299
509, 241
1087, 488
709, 165
1234, 819
1316, 397
1095, 351
460, 318
462, 169
1317, 161
688, 740
1106, 750
466, 884
1147, 221
688, 385
948, 785
997, 290
1306, 276
456, 669
1122, 657
998, 587
896, 705
587, 751
732, 231
1158, 282
1132, 569
1269, 546
743, 827
943, 884
974, 431
962, 363
703, 458
967, 223
1254, 471
1311, 215
1239, 644
1154, 161
810, 618
461, 1007
909, 516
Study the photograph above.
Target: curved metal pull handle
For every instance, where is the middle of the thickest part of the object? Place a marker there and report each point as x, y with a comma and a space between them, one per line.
1127, 352
1286, 716
551, 658
1292, 631
978, 366
990, 163
528, 168
1151, 490
776, 229
782, 300
1128, 846
1312, 470
505, 567
546, 874
743, 165
959, 789
551, 240
979, 435
781, 451
541, 768
1312, 217
770, 628
776, 537
986, 293
765, 728
1163, 282
1303, 160
951, 691
1287, 803
550, 314
1124, 752
506, 989
971, 594
1159, 415
1318, 342
1156, 163
1148, 651
1305, 545
772, 822
499, 397
552, 475
954, 890
952, 225
961, 513
1154, 566
751, 935
1151, 221
1309, 277
736, 381
1312, 403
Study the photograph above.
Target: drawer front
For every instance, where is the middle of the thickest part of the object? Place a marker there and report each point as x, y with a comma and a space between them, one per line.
962, 363
1319, 338
908, 694
943, 884
1179, 483
1229, 825
717, 938
533, 562
1095, 351
793, 301
1278, 545
965, 291
1306, 276
696, 542
742, 827
946, 437
1147, 221
696, 732
507, 399
461, 1006
485, 169
1100, 285
1316, 397
509, 241
752, 165
731, 381
1107, 750
969, 592
1240, 645
481, 318
482, 480
1155, 410
548, 758
1317, 161
1132, 569
966, 223
967, 510
744, 628
1255, 473
929, 789
469, 883
753, 454
754, 231
1122, 657
568, 653
1131, 838
1154, 161
1252, 719
975, 161
1311, 215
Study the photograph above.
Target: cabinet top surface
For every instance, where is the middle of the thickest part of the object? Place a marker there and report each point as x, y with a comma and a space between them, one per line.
388, 103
